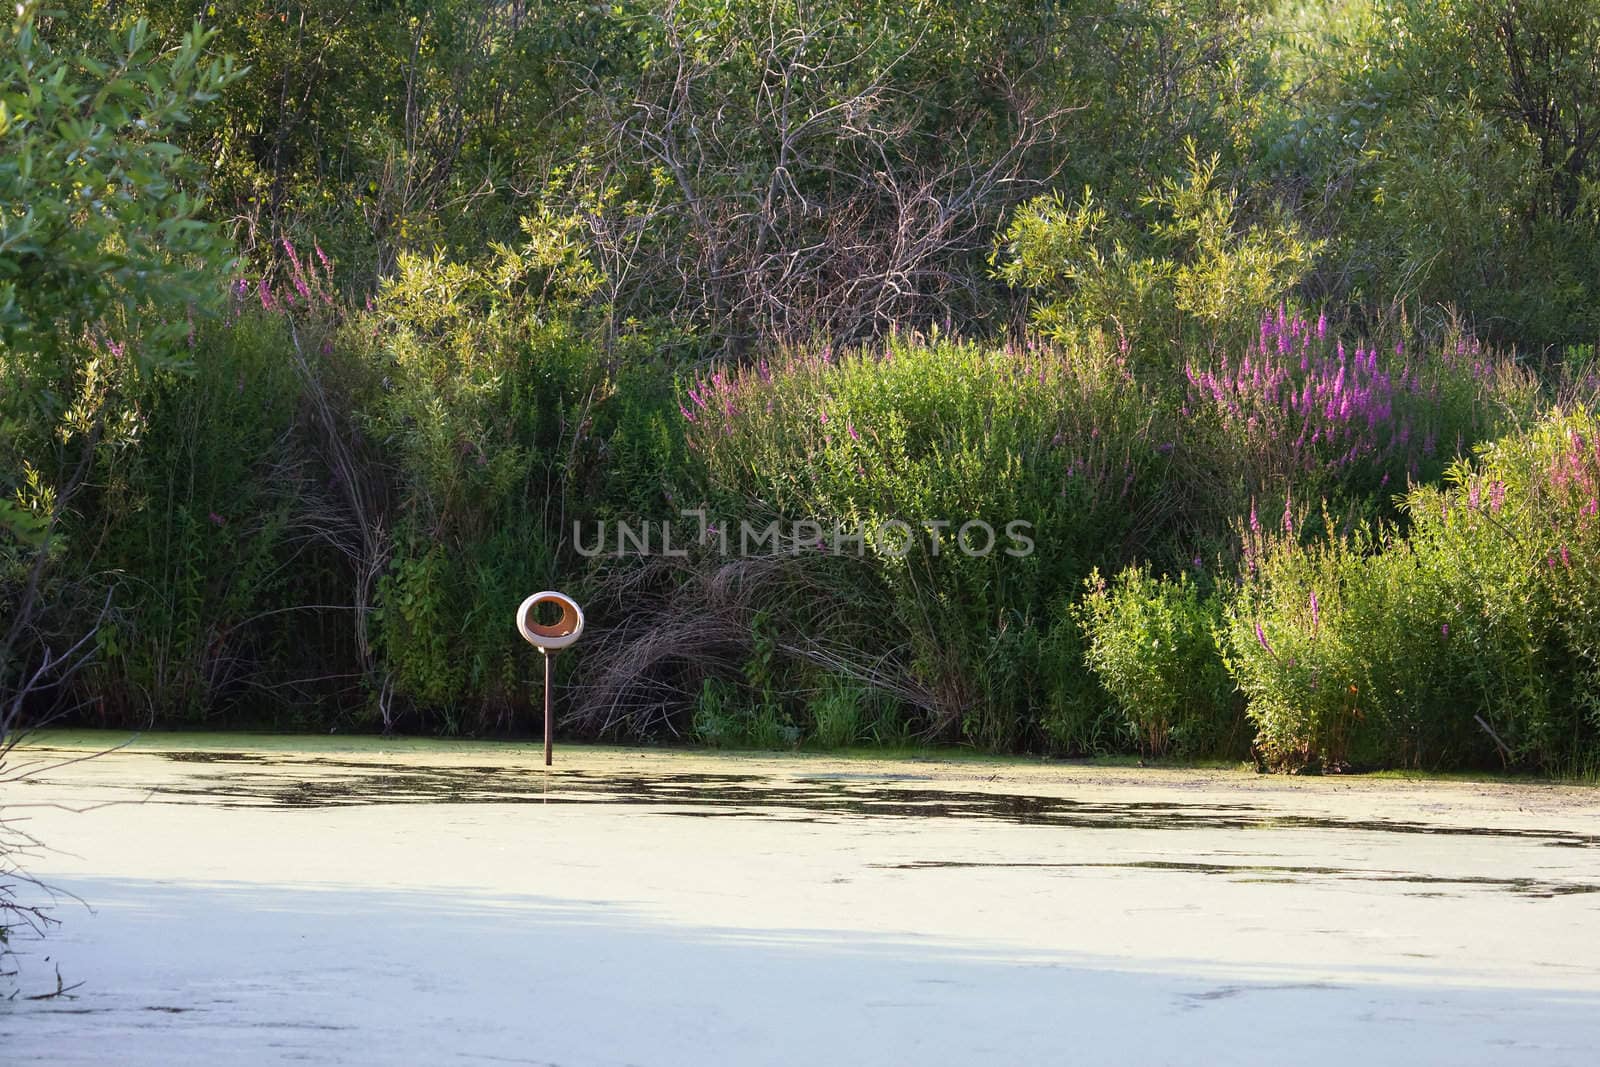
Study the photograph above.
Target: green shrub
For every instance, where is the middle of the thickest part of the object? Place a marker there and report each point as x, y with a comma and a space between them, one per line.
1468, 642
1058, 439
106, 265
1191, 268
1151, 645
201, 526
1444, 142
1348, 658
1518, 530
721, 720
713, 722
480, 384
1077, 716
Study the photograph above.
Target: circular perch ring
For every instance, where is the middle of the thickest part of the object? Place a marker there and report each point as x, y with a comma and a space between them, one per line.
558, 634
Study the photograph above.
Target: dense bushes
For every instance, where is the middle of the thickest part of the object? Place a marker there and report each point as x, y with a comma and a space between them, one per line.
1467, 641
1048, 446
1305, 413
105, 265
745, 270
1458, 143
1151, 644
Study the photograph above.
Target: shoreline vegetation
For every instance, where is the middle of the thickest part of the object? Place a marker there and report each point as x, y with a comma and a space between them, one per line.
1271, 325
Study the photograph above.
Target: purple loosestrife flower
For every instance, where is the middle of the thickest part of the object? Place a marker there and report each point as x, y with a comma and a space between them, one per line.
1261, 636
1316, 612
823, 417
297, 273
1444, 631
851, 428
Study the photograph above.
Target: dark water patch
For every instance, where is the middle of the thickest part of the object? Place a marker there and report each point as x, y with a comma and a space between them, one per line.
214, 757
1228, 992
1532, 887
328, 783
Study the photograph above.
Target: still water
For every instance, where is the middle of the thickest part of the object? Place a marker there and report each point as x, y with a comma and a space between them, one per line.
276, 900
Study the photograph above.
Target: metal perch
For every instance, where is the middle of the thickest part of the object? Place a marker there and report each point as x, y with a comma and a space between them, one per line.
549, 638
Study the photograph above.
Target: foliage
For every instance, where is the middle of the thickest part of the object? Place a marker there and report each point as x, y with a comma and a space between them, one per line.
1151, 647
481, 390
1190, 261
903, 448
1301, 415
104, 264
775, 263
100, 219
1469, 641
202, 537
1451, 157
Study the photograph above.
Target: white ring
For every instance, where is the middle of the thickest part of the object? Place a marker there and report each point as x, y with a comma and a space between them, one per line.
552, 637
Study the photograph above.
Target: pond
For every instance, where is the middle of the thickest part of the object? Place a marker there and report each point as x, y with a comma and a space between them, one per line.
273, 900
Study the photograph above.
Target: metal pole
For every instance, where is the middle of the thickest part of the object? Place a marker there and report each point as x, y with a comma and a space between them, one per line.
547, 735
